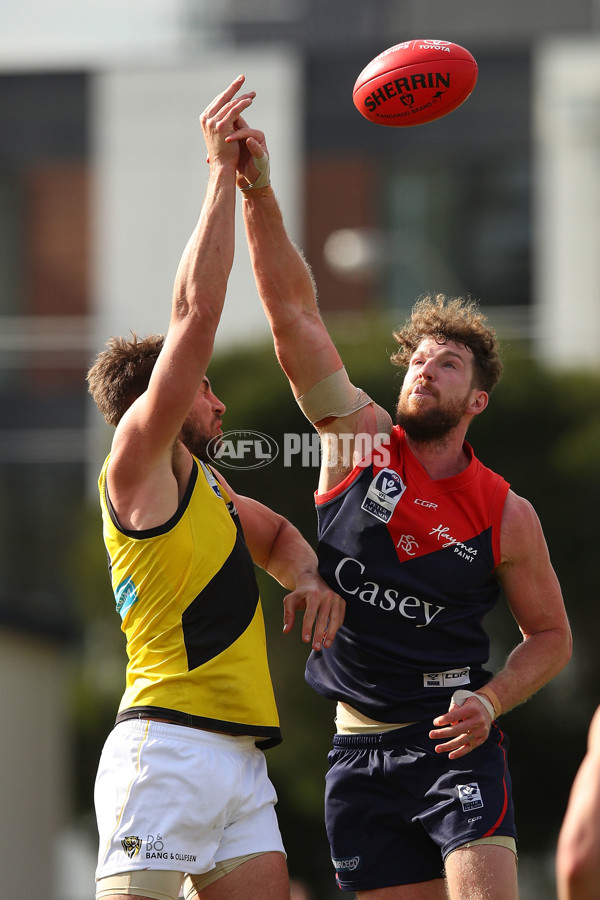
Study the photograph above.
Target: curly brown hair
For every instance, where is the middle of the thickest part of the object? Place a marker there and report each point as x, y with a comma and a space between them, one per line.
452, 319
121, 373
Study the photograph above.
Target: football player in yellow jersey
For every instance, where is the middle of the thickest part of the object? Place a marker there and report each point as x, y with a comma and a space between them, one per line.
182, 794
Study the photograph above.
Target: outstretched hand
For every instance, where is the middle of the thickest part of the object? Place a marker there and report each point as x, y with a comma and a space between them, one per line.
324, 611
219, 120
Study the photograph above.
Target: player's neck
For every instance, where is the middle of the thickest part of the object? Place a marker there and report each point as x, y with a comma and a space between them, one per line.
442, 457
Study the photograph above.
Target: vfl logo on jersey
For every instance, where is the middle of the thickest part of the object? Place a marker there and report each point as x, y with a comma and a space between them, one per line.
469, 796
131, 845
383, 494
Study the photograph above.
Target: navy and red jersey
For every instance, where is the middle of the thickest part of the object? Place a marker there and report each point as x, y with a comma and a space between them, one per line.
414, 559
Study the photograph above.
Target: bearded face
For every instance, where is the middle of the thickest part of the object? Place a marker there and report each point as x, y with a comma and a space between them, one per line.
426, 421
201, 432
196, 439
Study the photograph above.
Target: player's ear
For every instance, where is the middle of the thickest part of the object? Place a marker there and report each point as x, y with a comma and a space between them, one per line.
479, 401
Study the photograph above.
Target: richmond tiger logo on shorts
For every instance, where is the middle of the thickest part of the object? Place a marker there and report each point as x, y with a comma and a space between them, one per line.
131, 845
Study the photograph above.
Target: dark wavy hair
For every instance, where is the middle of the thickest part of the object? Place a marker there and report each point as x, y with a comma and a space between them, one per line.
455, 319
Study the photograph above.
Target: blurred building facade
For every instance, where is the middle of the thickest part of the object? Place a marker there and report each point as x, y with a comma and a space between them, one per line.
100, 184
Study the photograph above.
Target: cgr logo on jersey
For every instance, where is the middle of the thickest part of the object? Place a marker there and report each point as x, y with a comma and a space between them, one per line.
450, 678
469, 796
383, 494
132, 845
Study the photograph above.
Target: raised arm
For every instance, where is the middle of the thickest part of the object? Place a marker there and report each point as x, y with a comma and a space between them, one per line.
303, 345
285, 286
144, 474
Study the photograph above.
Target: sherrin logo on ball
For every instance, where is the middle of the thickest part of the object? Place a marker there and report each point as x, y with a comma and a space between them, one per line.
415, 82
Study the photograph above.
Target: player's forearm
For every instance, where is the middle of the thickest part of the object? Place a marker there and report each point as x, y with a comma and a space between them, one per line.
282, 277
531, 665
291, 558
304, 349
205, 265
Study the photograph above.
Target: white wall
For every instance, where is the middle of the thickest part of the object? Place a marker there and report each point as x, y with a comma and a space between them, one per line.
567, 202
34, 764
83, 33
150, 169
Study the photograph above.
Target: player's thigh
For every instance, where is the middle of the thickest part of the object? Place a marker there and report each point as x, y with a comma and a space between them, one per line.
424, 890
482, 872
141, 884
264, 877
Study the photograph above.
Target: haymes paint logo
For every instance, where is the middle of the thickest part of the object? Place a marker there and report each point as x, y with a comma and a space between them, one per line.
242, 450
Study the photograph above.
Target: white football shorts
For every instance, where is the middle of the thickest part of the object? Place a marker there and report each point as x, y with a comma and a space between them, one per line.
178, 798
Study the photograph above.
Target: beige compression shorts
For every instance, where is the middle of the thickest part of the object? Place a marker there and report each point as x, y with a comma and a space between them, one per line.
164, 885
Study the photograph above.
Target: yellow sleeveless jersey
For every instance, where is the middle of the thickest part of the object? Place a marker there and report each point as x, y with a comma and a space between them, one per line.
191, 612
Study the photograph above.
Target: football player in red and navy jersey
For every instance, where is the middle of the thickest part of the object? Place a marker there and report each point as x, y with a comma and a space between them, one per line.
419, 538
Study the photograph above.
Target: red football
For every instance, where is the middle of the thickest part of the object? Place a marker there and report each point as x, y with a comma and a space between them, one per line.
415, 82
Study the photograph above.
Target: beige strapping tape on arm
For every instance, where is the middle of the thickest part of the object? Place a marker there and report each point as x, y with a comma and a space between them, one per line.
264, 178
333, 396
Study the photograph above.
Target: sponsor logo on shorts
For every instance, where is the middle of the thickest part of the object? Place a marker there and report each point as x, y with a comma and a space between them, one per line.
469, 796
154, 848
450, 678
132, 844
383, 494
346, 864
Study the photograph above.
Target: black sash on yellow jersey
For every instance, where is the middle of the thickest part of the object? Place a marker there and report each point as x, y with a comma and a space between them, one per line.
188, 598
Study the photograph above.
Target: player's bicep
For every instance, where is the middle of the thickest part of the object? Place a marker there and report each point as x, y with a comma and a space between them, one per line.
526, 574
260, 524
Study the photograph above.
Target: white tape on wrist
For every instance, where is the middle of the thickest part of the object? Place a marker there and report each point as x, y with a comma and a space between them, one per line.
460, 697
264, 179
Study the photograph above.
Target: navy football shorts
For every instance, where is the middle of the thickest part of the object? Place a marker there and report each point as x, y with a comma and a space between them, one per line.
394, 808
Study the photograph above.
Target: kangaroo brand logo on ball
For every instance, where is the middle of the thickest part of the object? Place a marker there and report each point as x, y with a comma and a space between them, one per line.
242, 450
